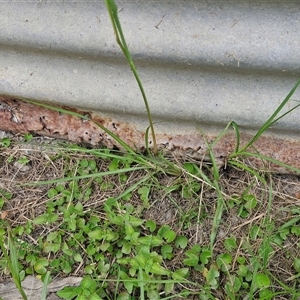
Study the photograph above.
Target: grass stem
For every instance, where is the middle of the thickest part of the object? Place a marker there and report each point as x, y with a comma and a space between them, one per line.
113, 13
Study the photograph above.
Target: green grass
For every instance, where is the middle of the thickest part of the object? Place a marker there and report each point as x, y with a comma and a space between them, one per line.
143, 226
123, 254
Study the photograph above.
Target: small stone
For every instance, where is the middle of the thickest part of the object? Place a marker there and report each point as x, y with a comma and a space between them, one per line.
22, 167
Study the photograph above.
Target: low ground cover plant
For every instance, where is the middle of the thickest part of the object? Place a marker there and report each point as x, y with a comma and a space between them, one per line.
143, 234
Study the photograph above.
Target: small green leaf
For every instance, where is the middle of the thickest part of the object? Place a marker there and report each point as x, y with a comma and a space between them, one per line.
89, 269
52, 193
205, 256
52, 236
237, 283
211, 276
66, 267
69, 293
77, 257
284, 232
158, 269
242, 271
167, 252
23, 160
42, 219
114, 165
297, 264
118, 220
261, 281
6, 194
169, 288
103, 267
129, 230
94, 296
80, 222
223, 262
22, 275
92, 165
40, 265
170, 236
243, 213
230, 244
126, 249
78, 207
181, 274
91, 249
250, 202
84, 163
266, 294
192, 259
162, 230
277, 239
190, 168
135, 222
19, 230
295, 230
181, 241
151, 225
5, 142
233, 286
28, 137
66, 249
60, 187
88, 283
144, 193
103, 247
241, 260
153, 295
151, 240
96, 234
55, 263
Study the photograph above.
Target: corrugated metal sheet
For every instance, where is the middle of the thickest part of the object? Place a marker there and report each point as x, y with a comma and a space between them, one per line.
203, 64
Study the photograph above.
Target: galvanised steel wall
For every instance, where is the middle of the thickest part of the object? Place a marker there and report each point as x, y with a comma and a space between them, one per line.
203, 63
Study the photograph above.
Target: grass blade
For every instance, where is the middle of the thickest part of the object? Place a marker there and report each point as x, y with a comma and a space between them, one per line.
118, 171
237, 136
244, 167
113, 13
220, 201
12, 261
141, 283
273, 119
220, 135
45, 285
269, 159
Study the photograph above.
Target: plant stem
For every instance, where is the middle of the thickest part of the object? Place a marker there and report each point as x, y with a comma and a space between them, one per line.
113, 13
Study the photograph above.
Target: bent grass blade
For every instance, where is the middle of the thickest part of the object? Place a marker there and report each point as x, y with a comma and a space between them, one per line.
273, 118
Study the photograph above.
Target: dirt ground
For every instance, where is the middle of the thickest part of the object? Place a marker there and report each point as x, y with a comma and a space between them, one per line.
29, 201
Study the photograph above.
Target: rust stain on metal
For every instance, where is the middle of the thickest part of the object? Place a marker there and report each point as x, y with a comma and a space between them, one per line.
23, 117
